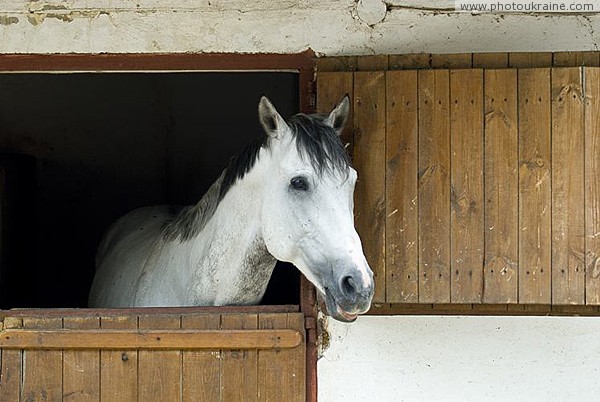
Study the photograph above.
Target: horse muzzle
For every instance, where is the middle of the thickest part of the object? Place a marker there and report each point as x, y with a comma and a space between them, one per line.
349, 295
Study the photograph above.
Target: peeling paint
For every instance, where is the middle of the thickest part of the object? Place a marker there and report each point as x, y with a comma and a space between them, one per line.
36, 18
366, 26
38, 12
8, 20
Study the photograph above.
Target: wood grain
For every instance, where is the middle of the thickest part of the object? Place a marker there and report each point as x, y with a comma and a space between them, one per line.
372, 63
42, 370
534, 186
490, 60
529, 59
369, 161
239, 381
568, 192
277, 380
466, 190
159, 372
409, 61
402, 218
81, 369
592, 185
331, 89
119, 368
501, 187
434, 186
297, 363
201, 369
147, 339
10, 368
575, 59
458, 60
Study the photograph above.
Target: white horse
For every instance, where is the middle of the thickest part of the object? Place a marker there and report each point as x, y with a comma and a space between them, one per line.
288, 197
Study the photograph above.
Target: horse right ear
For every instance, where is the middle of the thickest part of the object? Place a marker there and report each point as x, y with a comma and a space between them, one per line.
270, 119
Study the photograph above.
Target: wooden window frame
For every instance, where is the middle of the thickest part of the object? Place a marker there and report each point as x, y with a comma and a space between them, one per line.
304, 64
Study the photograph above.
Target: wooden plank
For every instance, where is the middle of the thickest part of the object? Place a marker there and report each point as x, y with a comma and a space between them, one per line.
81, 369
42, 369
119, 368
534, 186
487, 310
127, 313
592, 185
279, 379
528, 59
409, 61
201, 369
297, 366
10, 367
575, 59
466, 217
10, 375
434, 186
402, 218
459, 60
568, 191
159, 372
369, 161
331, 88
501, 187
149, 339
239, 374
372, 63
490, 60
590, 58
336, 64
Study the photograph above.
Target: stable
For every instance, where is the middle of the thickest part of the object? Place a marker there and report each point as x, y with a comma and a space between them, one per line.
475, 137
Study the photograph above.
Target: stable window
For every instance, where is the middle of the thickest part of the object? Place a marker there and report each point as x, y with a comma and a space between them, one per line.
98, 145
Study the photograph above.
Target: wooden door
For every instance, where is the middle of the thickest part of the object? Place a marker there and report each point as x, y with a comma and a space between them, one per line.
246, 354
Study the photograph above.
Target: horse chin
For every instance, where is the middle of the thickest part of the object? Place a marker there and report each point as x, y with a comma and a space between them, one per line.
332, 309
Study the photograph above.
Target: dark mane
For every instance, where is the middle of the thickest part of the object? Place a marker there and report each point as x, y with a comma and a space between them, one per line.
241, 164
315, 140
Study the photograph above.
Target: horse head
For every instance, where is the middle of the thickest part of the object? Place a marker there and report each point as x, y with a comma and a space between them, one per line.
307, 212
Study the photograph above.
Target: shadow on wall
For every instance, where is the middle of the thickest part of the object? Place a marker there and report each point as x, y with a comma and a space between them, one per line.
104, 144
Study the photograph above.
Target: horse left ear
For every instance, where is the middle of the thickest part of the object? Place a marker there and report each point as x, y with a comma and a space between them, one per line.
338, 116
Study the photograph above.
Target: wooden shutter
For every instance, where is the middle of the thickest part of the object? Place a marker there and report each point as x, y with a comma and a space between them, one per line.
476, 185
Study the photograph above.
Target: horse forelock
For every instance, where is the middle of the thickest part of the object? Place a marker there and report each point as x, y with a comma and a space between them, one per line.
315, 140
320, 143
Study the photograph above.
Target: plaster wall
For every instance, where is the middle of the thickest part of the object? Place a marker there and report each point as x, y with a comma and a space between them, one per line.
330, 28
444, 358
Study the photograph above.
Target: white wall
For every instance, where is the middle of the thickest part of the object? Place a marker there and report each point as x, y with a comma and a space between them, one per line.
444, 358
332, 27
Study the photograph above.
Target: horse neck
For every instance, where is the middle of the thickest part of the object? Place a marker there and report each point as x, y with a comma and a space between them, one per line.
231, 244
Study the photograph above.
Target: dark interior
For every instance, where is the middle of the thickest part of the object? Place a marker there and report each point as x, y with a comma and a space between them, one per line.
79, 150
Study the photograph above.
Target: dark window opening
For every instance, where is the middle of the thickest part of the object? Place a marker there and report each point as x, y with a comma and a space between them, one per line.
79, 150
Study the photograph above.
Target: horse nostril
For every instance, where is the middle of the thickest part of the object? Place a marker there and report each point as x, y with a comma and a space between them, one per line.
348, 286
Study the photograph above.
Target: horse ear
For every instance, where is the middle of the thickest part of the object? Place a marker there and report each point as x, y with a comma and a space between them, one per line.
338, 116
270, 119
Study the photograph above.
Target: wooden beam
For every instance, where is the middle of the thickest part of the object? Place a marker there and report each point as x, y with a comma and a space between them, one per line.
134, 339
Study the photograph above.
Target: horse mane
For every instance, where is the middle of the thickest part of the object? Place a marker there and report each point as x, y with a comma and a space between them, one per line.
315, 140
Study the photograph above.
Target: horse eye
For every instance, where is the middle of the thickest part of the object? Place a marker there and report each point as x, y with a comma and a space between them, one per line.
299, 183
